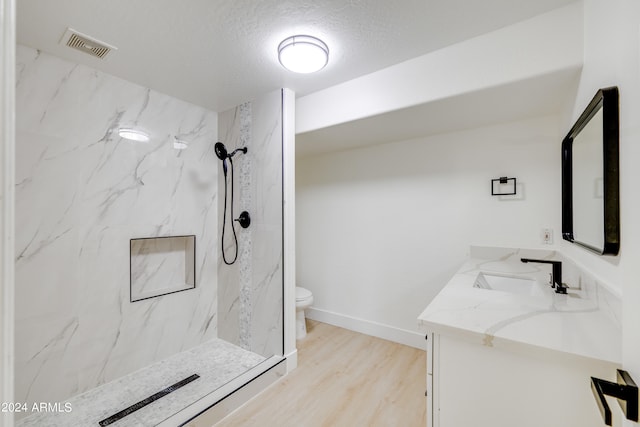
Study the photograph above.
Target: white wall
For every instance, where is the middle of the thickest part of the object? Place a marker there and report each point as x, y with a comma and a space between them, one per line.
612, 56
380, 230
342, 263
427, 200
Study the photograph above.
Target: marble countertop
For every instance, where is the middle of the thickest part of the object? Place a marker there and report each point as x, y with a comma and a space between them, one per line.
585, 322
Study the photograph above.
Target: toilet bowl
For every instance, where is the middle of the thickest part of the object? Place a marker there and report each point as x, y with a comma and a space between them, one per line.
304, 299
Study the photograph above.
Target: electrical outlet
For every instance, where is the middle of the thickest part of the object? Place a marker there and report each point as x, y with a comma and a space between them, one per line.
547, 236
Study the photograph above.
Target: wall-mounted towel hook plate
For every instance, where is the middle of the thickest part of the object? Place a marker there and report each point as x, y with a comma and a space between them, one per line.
625, 390
500, 181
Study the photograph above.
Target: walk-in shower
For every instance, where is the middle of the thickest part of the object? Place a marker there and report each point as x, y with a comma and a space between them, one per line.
126, 311
244, 219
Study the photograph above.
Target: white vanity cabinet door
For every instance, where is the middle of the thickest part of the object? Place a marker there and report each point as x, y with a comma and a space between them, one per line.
506, 385
429, 393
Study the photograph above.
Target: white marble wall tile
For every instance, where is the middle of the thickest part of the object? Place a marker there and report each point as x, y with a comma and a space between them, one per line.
246, 202
229, 125
82, 193
250, 293
267, 287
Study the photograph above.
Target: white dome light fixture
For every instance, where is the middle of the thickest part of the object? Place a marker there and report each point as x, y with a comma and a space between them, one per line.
303, 54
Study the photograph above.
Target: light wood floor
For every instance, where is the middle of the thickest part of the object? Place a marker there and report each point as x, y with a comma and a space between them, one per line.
343, 379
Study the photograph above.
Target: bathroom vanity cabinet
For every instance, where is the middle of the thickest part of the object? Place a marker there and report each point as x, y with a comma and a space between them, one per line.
506, 385
504, 350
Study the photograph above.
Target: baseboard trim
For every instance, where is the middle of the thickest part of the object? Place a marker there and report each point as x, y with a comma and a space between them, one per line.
292, 360
367, 327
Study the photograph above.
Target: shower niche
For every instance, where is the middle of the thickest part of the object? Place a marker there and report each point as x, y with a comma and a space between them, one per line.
161, 265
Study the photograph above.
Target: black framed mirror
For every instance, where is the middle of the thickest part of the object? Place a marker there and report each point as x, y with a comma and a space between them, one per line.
590, 176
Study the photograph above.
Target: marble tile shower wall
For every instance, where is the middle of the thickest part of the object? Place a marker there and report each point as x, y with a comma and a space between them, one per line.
82, 193
250, 291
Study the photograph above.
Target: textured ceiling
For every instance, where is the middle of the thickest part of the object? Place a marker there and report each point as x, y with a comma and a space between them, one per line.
219, 53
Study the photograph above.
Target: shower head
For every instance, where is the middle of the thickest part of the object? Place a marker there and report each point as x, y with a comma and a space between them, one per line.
221, 151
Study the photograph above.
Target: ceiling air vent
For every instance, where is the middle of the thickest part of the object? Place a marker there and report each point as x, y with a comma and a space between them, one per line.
86, 44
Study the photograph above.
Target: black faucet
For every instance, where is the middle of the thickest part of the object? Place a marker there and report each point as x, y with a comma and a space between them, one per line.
556, 273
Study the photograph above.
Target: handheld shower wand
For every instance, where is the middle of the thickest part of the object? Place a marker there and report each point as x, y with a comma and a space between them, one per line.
221, 152
244, 220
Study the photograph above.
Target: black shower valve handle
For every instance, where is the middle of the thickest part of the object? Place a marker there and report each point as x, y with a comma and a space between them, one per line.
244, 219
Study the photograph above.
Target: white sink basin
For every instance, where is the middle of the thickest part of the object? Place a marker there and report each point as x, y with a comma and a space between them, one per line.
514, 285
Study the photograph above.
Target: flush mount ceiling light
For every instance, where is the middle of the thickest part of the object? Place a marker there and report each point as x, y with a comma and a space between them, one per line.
133, 135
303, 54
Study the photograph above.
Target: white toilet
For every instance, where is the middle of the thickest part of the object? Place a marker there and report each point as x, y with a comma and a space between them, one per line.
304, 299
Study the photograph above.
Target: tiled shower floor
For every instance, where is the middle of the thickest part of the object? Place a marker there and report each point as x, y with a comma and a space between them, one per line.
216, 362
